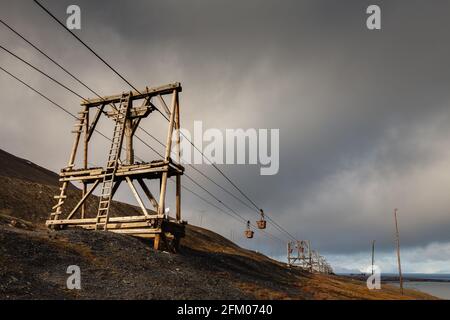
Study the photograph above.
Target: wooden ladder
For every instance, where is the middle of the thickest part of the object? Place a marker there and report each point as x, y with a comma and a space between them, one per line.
112, 163
78, 129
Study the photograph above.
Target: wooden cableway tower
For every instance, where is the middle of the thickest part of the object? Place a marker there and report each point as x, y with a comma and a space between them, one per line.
299, 254
127, 111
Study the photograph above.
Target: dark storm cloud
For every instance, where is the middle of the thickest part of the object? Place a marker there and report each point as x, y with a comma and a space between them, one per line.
363, 114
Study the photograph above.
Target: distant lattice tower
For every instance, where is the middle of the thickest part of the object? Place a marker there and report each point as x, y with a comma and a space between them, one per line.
299, 254
127, 111
319, 263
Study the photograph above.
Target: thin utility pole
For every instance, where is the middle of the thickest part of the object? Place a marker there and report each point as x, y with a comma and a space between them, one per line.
310, 257
398, 251
288, 251
373, 254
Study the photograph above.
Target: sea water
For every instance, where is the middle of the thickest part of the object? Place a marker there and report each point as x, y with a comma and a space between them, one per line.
434, 284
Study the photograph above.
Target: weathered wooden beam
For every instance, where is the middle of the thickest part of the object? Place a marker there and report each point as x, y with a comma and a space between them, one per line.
162, 195
135, 126
124, 225
148, 193
85, 155
156, 241
146, 172
137, 112
115, 187
164, 105
147, 232
86, 141
123, 168
136, 95
95, 121
136, 195
125, 219
73, 153
141, 230
149, 223
178, 154
83, 199
129, 141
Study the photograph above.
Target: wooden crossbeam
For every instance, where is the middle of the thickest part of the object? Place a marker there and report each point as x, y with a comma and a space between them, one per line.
163, 103
147, 92
146, 172
136, 195
86, 195
115, 187
94, 122
148, 193
120, 174
125, 219
137, 112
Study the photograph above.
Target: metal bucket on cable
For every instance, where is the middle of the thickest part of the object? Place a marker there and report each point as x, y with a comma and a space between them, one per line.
249, 232
261, 223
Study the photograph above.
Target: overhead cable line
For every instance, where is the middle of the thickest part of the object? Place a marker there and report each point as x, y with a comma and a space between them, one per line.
103, 135
132, 86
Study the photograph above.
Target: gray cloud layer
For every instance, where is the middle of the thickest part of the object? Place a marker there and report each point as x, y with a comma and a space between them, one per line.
363, 115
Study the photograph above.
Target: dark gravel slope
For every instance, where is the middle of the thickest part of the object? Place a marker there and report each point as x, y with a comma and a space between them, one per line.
33, 264
34, 260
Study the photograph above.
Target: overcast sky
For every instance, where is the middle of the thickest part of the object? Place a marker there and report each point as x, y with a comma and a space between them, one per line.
363, 115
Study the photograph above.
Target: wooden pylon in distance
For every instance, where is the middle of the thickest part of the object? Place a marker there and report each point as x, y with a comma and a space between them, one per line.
397, 235
373, 254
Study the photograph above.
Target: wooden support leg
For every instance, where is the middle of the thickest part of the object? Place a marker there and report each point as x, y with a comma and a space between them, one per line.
136, 195
178, 152
83, 206
178, 198
85, 156
115, 187
148, 193
129, 141
162, 195
156, 242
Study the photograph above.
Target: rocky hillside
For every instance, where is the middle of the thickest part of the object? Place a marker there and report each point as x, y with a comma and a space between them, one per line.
27, 191
34, 260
